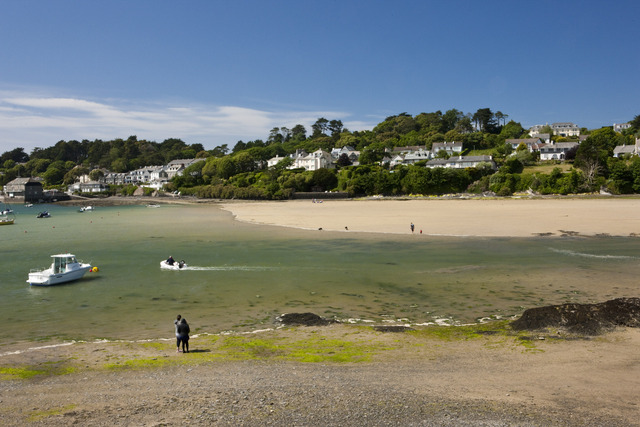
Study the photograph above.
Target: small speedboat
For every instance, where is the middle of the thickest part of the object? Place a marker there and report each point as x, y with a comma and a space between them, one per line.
6, 221
64, 268
175, 266
86, 209
43, 214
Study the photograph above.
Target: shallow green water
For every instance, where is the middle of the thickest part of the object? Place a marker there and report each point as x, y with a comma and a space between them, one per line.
241, 276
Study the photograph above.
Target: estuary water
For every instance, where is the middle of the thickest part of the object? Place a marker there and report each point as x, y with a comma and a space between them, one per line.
241, 276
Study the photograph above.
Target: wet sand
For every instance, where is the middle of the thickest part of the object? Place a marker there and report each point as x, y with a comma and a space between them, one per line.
439, 217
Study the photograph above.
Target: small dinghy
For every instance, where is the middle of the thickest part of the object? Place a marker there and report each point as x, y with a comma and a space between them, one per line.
172, 266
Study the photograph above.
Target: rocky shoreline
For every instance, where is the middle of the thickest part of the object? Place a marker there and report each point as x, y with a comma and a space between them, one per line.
435, 376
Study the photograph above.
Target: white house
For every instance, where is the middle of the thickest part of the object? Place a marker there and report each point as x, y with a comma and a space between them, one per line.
532, 144
409, 155
319, 159
177, 167
451, 148
352, 155
621, 150
88, 187
565, 129
556, 151
619, 127
462, 162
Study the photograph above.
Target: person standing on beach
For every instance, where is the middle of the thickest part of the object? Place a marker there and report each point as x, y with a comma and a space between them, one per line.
183, 334
175, 324
413, 227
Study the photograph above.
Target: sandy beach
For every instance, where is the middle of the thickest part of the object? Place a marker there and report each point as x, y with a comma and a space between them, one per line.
445, 217
470, 378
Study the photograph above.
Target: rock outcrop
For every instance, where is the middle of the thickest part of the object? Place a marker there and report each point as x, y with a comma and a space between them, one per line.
589, 319
304, 319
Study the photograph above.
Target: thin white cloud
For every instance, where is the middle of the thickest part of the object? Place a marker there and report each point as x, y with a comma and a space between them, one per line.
30, 121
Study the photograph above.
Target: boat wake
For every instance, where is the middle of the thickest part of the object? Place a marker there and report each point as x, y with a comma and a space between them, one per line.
584, 255
228, 268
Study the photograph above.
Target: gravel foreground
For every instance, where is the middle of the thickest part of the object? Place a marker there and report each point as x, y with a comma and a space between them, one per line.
254, 394
421, 381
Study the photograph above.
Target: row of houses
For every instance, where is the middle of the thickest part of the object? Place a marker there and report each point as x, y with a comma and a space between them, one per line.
152, 176
561, 129
568, 129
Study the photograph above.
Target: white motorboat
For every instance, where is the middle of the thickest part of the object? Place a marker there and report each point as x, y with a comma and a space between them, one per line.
175, 266
86, 209
64, 268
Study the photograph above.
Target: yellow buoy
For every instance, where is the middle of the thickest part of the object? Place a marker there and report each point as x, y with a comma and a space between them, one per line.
94, 270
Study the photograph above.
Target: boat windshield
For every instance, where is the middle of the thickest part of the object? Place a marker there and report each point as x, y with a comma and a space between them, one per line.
59, 265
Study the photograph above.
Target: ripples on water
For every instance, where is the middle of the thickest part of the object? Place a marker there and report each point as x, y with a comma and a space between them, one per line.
240, 276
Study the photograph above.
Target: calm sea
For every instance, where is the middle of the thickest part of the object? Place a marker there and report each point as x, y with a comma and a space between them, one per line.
241, 276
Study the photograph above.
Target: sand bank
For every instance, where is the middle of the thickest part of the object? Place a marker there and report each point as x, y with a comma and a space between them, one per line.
438, 217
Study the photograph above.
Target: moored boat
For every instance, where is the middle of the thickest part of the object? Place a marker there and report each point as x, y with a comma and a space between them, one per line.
86, 209
64, 268
6, 221
43, 214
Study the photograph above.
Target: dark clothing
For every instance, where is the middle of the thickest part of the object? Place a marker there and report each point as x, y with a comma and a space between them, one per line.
183, 335
170, 260
183, 329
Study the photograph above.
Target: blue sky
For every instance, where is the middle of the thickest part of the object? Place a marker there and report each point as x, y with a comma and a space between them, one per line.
216, 72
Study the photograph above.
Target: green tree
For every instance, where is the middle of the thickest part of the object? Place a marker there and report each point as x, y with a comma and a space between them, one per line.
512, 130
324, 178
96, 175
17, 155
298, 133
343, 160
485, 120
53, 176
320, 127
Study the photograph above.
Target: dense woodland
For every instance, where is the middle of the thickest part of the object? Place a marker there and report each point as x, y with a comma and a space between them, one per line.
240, 172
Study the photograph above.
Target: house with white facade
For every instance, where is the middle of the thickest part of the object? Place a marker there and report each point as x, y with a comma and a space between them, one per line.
633, 150
534, 131
462, 162
565, 129
409, 155
114, 178
451, 148
619, 127
556, 151
177, 167
319, 159
352, 155
88, 187
532, 144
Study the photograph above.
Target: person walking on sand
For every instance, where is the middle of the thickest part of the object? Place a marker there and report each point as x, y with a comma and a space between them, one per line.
413, 227
183, 334
175, 324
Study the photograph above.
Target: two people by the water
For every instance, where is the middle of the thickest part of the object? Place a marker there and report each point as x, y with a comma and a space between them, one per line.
182, 334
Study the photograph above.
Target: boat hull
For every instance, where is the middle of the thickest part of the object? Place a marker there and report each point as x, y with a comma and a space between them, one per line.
176, 265
48, 278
